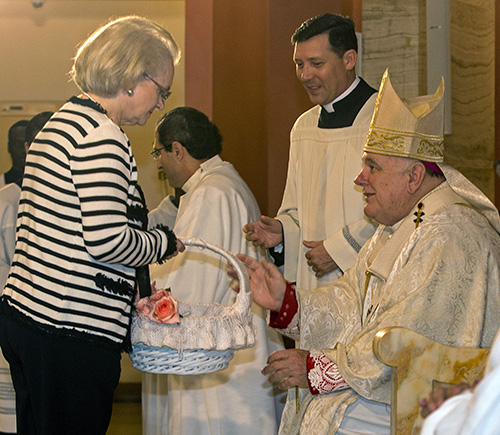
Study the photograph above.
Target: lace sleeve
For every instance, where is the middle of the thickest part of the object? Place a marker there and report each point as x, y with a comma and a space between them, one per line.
323, 375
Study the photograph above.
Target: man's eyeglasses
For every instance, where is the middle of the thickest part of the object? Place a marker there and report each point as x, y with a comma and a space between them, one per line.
164, 92
156, 152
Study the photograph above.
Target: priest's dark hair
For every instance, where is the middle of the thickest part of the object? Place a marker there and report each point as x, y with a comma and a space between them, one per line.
17, 136
340, 29
192, 129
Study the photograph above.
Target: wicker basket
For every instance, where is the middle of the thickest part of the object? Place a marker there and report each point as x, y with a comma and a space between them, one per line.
205, 340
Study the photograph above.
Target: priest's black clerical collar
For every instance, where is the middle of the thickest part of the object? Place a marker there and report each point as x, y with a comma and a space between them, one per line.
346, 109
330, 106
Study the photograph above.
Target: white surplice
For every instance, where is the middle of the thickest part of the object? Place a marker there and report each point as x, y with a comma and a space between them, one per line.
237, 400
321, 201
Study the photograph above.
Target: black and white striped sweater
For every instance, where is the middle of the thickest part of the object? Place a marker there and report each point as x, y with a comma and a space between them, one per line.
79, 236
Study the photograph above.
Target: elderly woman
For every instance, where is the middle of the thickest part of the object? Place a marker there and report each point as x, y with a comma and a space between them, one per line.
82, 247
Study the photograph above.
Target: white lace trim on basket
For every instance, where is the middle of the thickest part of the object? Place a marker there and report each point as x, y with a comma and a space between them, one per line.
203, 326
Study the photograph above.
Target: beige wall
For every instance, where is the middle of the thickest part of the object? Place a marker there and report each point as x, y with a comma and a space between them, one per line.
36, 50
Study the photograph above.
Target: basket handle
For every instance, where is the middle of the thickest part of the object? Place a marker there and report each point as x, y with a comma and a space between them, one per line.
237, 264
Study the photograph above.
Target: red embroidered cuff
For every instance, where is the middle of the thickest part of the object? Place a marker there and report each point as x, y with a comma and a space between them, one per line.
310, 366
289, 308
323, 376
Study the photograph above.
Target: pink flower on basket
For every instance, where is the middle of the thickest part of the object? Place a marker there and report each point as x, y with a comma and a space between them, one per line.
160, 307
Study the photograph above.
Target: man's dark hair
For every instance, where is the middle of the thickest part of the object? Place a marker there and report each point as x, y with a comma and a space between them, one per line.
340, 29
17, 136
192, 129
35, 124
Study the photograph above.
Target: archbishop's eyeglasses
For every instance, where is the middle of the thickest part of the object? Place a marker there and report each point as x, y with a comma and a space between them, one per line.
164, 92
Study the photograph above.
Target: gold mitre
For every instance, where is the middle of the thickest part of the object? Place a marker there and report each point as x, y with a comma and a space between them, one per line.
408, 127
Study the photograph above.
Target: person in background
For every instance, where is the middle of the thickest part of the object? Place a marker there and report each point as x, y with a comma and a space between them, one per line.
9, 204
216, 204
320, 226
82, 237
432, 266
17, 134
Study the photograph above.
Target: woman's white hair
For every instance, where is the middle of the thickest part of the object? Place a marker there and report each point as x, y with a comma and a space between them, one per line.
116, 56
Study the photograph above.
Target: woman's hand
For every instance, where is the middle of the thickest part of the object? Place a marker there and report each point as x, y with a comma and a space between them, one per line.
179, 248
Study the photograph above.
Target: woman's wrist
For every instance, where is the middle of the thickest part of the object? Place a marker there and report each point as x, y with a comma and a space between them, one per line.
171, 245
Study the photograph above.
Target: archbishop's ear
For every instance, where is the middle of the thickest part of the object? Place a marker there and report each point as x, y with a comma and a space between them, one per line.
416, 175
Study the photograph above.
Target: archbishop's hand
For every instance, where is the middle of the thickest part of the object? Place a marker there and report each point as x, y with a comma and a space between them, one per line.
287, 368
265, 233
266, 282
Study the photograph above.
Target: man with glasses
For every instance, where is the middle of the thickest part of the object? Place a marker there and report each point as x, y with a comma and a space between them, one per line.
17, 134
216, 204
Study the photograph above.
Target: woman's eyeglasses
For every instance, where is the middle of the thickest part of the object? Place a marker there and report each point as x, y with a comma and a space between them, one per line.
164, 92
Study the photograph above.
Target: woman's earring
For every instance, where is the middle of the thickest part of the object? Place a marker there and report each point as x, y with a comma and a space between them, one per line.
130, 92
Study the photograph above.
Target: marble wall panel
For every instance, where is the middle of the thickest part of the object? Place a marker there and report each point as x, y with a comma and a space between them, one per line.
391, 39
471, 147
